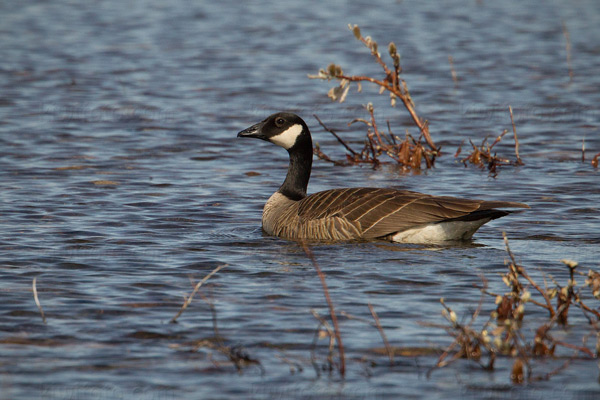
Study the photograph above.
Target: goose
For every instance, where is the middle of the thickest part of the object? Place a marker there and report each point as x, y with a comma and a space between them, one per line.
362, 213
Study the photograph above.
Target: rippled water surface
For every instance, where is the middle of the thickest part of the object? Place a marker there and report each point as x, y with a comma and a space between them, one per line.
122, 184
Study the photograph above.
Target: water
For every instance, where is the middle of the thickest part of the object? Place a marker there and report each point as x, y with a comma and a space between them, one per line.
122, 185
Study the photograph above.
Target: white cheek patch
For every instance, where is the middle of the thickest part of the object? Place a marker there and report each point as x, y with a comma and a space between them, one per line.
287, 138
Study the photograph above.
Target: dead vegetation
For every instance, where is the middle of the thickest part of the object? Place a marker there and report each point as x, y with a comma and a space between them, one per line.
408, 152
529, 326
197, 287
505, 333
502, 335
230, 354
235, 355
483, 155
334, 334
453, 71
568, 50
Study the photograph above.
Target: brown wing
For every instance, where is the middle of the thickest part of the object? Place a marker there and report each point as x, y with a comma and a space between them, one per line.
381, 212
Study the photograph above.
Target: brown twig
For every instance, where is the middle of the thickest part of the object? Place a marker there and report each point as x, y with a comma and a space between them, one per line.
339, 139
555, 371
388, 348
469, 340
372, 45
568, 48
332, 338
583, 306
371, 111
37, 300
483, 290
187, 301
452, 71
497, 140
581, 349
357, 318
334, 320
409, 152
422, 125
392, 83
317, 151
392, 137
236, 354
521, 271
512, 120
441, 359
482, 155
459, 149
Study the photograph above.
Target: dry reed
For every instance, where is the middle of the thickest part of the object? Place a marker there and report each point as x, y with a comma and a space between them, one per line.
388, 348
568, 49
37, 300
512, 120
453, 71
188, 300
336, 329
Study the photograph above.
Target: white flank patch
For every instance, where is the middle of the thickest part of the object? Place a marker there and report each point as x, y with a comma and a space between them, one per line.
287, 138
436, 233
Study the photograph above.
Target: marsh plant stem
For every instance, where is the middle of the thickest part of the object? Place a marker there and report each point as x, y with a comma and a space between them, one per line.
187, 301
334, 320
388, 348
512, 120
37, 300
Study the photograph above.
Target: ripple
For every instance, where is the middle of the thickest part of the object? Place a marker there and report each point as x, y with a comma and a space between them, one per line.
123, 185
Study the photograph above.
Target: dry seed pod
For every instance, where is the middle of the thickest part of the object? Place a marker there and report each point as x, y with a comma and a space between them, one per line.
517, 375
356, 30
392, 49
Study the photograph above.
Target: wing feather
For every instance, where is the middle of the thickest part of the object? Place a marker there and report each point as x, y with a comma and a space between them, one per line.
380, 212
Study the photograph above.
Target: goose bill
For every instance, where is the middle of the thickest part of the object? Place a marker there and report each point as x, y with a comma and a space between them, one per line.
255, 131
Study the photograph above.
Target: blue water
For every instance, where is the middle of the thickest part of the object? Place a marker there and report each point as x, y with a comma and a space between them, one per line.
122, 184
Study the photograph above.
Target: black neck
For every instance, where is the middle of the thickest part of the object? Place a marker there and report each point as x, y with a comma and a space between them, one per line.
296, 181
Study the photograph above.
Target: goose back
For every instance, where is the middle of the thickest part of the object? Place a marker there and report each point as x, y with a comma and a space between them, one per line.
370, 213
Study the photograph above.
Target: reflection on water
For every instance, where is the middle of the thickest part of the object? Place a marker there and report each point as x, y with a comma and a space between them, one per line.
123, 185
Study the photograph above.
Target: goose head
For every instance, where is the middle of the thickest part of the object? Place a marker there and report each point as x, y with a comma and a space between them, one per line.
290, 132
283, 129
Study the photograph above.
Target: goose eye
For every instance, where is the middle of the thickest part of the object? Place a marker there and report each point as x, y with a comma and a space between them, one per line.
279, 121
